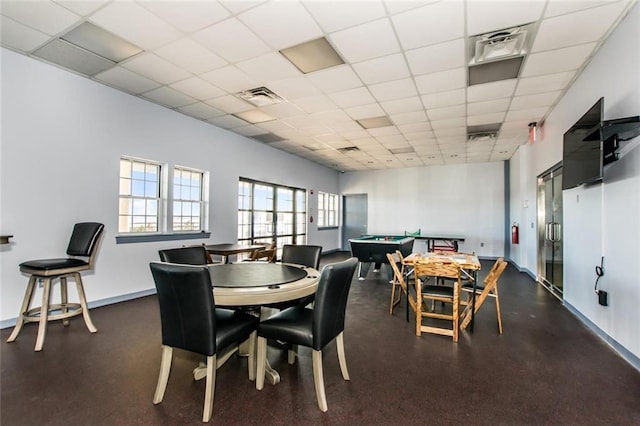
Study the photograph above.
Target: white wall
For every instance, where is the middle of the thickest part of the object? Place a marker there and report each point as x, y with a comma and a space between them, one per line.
463, 199
62, 138
599, 220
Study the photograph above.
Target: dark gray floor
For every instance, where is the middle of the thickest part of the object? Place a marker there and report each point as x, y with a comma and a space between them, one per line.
546, 368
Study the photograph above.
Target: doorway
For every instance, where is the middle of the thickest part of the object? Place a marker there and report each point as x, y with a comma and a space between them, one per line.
550, 256
354, 218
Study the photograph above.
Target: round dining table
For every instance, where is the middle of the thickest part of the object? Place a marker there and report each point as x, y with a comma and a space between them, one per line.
254, 285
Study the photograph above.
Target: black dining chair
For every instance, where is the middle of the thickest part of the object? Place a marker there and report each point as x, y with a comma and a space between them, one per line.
314, 328
191, 321
194, 255
81, 253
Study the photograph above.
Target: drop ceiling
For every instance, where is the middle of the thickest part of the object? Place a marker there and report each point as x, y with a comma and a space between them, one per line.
396, 92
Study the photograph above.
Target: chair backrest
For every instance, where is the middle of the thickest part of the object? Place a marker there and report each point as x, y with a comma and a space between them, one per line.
268, 254
302, 255
331, 301
187, 308
84, 240
491, 280
449, 270
396, 259
194, 255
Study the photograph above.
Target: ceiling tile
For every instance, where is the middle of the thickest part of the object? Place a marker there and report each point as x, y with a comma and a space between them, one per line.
156, 68
272, 66
394, 89
544, 83
126, 80
576, 28
188, 16
82, 8
449, 123
283, 110
201, 110
135, 24
47, 17
293, 88
191, 56
228, 122
335, 15
20, 37
71, 57
335, 79
443, 99
398, 106
498, 105
554, 61
450, 55
555, 8
430, 24
281, 24
230, 104
489, 16
538, 100
447, 112
231, 79
533, 114
236, 6
365, 111
168, 96
409, 117
392, 67
197, 88
495, 117
352, 97
441, 81
366, 41
491, 91
318, 103
232, 40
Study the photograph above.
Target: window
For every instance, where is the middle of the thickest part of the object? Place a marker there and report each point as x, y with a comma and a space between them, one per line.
149, 206
268, 212
188, 200
140, 196
327, 209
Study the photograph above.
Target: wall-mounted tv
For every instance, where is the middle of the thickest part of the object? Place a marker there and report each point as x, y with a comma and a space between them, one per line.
581, 157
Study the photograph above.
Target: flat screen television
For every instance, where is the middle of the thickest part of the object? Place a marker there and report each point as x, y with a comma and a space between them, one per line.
582, 155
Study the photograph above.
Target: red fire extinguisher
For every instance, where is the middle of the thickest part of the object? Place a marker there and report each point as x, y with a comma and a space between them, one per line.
514, 234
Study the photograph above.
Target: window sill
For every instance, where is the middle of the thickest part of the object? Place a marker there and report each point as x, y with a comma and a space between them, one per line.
327, 228
149, 238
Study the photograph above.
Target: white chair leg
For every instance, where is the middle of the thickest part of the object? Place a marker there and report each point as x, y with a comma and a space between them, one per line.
83, 303
44, 314
25, 307
163, 377
341, 357
292, 352
318, 379
261, 361
252, 355
210, 388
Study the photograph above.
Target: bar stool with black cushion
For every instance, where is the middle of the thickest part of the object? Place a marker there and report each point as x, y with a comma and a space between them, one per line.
191, 321
194, 255
83, 243
314, 328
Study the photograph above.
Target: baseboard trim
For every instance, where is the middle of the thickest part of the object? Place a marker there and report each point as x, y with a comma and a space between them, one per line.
617, 347
96, 303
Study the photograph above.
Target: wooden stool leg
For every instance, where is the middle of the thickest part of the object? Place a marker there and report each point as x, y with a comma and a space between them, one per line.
495, 292
318, 379
83, 303
341, 357
44, 314
25, 307
63, 300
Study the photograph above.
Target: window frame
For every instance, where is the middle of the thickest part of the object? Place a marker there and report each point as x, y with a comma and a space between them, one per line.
328, 210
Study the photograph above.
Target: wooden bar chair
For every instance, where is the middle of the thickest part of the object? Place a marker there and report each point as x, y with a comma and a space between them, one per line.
489, 288
83, 243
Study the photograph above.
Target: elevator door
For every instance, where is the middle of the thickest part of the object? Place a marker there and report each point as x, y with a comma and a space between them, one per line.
550, 231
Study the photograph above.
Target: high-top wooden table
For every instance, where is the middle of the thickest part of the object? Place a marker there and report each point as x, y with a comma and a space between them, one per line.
227, 249
469, 263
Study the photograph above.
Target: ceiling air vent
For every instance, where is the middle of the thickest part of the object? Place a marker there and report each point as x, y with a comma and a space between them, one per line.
482, 137
349, 149
500, 44
260, 96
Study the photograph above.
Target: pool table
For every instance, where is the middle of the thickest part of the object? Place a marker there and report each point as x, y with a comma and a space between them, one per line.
374, 248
